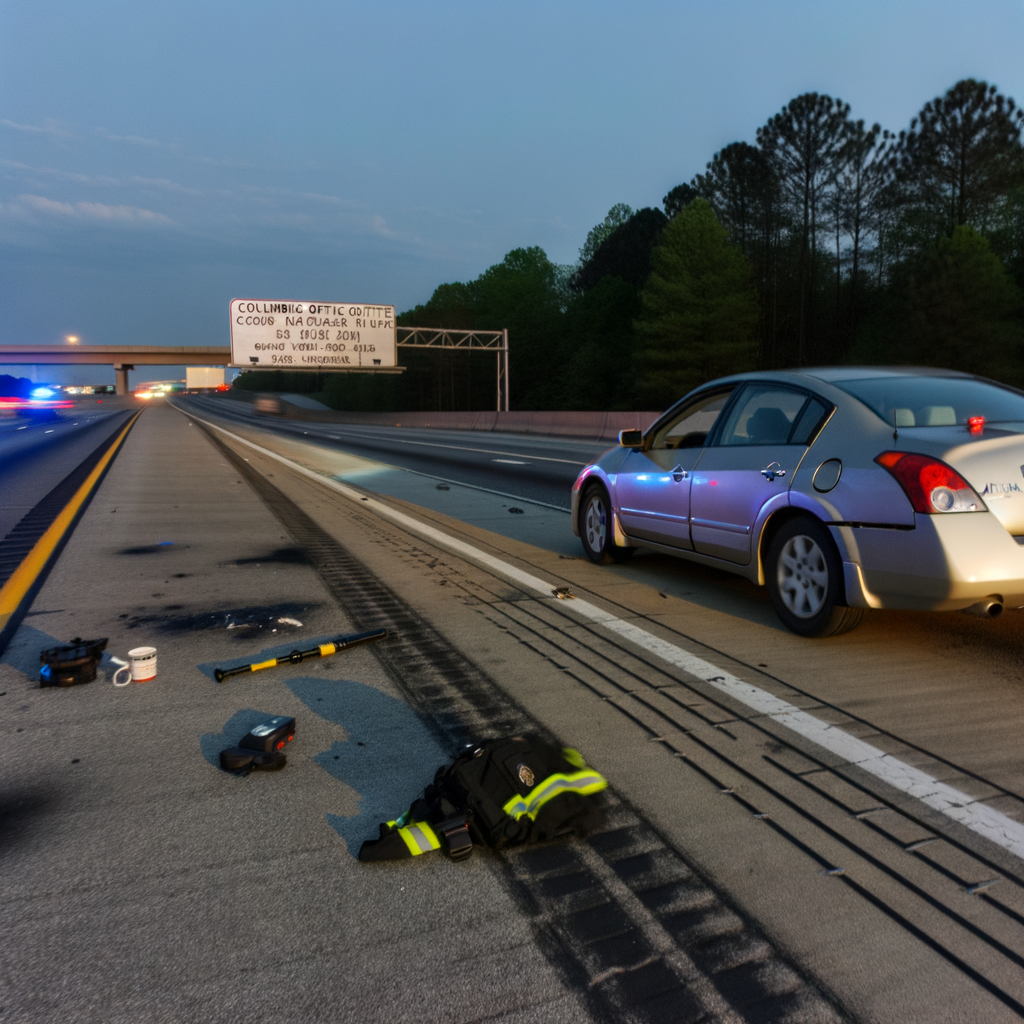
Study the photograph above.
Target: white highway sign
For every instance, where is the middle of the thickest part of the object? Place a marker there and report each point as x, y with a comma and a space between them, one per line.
269, 333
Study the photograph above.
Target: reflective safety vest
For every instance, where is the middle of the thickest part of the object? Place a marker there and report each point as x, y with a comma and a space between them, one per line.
585, 783
418, 837
498, 793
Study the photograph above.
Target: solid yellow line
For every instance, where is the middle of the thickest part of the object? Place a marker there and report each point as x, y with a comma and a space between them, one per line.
14, 590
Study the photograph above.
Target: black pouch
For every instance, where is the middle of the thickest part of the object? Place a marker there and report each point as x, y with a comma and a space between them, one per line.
240, 759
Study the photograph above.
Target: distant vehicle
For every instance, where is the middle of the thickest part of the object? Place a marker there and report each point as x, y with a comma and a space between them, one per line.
268, 405
39, 402
840, 489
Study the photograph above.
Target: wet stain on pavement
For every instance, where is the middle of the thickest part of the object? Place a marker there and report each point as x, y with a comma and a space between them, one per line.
244, 623
149, 549
288, 556
17, 810
388, 758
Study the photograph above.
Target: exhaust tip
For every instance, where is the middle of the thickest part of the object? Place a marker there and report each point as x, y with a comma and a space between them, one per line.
989, 608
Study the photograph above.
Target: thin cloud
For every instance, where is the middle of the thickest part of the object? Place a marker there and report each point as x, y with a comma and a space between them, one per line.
66, 131
316, 197
379, 226
222, 163
166, 184
52, 171
92, 211
48, 127
137, 140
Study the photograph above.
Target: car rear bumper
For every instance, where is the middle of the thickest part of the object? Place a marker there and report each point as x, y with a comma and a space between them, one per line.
945, 563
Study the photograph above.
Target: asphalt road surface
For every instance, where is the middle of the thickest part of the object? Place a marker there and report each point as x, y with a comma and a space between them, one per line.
35, 453
796, 830
531, 467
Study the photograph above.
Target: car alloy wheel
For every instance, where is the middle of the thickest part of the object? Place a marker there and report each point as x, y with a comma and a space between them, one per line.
803, 577
595, 524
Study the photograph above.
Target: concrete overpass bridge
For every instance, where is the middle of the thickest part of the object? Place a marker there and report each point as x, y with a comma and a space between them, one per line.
122, 357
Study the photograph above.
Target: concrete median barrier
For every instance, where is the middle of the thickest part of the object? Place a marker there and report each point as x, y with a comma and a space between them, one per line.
596, 425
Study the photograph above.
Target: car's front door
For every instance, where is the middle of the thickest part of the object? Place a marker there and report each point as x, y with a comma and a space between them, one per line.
753, 458
652, 486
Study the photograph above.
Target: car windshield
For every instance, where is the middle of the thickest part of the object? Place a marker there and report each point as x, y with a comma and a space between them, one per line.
936, 401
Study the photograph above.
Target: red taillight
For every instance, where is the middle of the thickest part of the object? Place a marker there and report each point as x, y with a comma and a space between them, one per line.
931, 485
976, 424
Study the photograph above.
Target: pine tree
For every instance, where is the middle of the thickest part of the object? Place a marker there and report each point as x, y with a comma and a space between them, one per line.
699, 311
962, 154
804, 142
965, 311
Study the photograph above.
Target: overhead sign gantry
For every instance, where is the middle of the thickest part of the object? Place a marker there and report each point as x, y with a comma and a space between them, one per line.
274, 334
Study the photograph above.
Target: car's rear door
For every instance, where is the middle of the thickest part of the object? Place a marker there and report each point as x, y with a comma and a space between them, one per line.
750, 460
652, 486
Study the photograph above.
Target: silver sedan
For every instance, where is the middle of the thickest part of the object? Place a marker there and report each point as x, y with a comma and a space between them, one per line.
839, 489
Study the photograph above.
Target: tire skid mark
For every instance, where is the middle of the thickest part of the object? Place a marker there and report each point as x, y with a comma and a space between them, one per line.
626, 920
534, 640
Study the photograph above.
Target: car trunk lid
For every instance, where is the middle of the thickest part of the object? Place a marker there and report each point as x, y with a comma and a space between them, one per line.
994, 467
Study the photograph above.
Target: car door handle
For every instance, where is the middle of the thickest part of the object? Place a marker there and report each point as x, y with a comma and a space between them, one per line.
772, 470
679, 474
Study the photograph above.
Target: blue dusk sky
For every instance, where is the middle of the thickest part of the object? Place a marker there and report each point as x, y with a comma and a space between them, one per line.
157, 160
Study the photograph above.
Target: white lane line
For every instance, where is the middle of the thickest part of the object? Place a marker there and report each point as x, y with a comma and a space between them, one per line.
511, 462
959, 806
428, 476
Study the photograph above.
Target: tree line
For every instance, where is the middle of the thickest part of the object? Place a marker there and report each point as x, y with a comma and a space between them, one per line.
823, 240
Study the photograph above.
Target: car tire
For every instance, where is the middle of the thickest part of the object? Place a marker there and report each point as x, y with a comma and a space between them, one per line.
596, 531
804, 576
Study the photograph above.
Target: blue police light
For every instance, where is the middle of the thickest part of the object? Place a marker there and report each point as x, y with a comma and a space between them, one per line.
42, 393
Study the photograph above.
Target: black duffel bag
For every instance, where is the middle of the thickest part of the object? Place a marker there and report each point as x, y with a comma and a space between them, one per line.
497, 793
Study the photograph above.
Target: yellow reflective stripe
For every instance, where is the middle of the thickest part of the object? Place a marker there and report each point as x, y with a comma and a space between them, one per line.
574, 757
326, 649
585, 783
419, 838
257, 665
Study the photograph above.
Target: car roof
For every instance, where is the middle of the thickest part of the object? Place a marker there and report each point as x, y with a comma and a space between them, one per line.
830, 376
837, 374
834, 374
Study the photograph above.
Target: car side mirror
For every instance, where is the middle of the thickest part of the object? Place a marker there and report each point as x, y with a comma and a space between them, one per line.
631, 438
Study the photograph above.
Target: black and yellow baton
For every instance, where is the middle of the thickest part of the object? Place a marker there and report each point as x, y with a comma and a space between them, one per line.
320, 651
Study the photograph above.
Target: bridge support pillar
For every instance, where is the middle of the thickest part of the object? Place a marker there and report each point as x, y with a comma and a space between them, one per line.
121, 376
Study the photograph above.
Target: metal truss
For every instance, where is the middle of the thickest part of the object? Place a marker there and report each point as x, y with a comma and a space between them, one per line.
440, 337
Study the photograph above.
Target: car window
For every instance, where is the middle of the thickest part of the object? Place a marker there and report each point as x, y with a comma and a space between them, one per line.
764, 414
810, 421
690, 427
935, 401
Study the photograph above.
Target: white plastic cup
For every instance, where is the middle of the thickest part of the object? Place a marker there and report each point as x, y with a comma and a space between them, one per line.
142, 661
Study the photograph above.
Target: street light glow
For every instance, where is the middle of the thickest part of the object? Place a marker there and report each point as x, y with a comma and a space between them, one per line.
72, 339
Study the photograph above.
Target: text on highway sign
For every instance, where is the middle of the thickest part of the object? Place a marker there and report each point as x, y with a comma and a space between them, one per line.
270, 333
